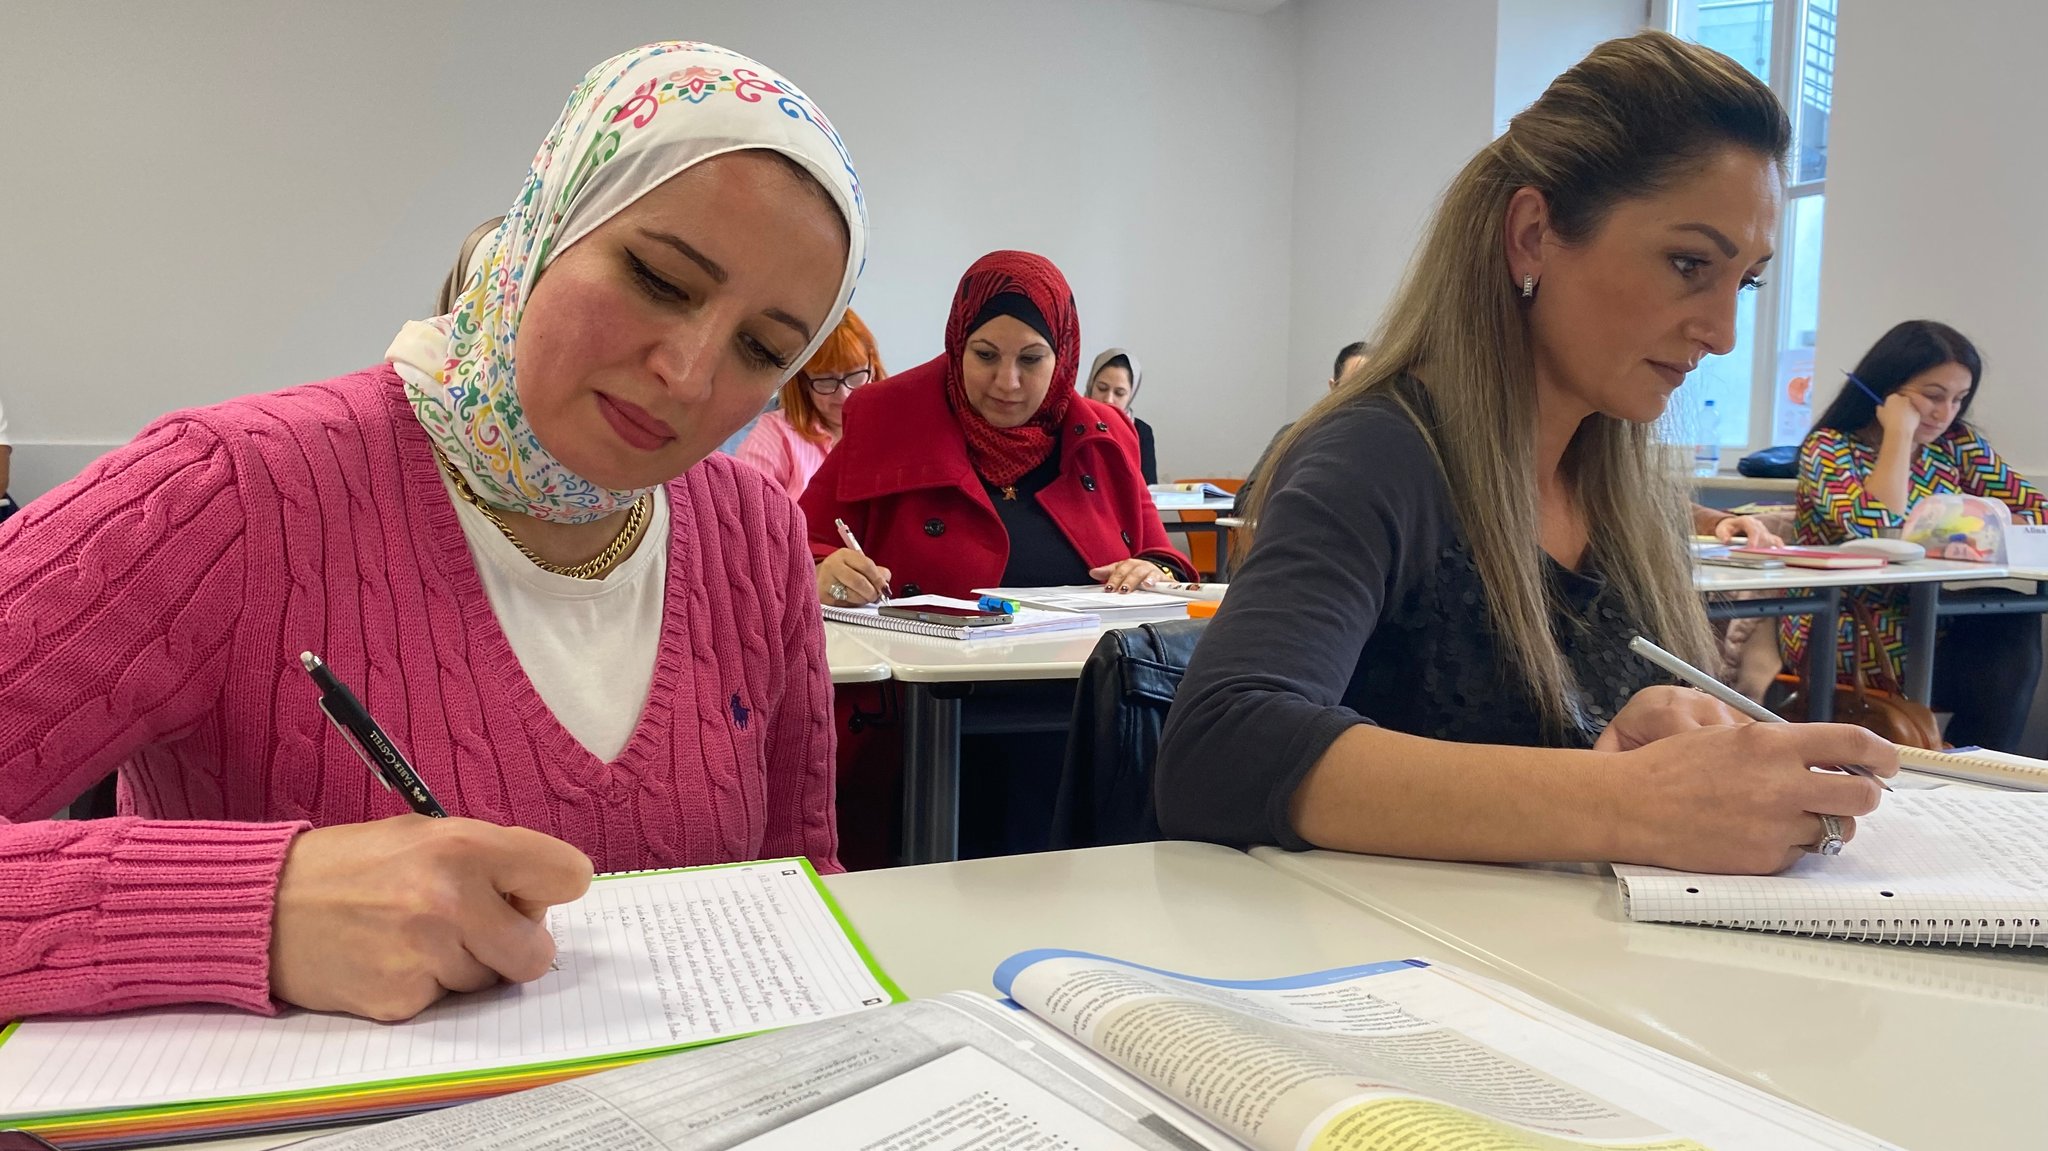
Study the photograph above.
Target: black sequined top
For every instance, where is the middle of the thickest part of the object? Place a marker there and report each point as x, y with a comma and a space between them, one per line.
1360, 603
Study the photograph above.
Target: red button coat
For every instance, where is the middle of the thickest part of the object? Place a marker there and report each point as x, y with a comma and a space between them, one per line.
901, 479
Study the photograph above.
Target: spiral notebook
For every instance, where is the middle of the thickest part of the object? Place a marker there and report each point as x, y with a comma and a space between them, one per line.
1027, 620
1979, 765
1944, 866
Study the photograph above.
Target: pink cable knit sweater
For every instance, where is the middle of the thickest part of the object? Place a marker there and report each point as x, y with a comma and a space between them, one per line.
151, 616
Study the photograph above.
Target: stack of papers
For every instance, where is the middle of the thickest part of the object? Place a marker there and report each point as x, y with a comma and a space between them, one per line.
1027, 621
1093, 600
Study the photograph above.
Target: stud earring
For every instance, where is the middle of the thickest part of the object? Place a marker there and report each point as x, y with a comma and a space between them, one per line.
1528, 285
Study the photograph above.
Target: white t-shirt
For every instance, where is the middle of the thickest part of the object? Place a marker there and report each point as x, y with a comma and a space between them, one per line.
587, 646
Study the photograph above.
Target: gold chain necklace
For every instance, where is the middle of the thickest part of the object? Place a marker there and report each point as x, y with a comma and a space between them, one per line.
593, 568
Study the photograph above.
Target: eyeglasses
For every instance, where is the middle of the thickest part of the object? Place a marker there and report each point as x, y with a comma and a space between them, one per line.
826, 385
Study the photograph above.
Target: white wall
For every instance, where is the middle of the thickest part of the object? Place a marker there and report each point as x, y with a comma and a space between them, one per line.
1395, 96
1936, 179
218, 197
1537, 39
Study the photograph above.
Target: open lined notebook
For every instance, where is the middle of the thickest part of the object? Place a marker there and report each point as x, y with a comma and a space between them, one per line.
647, 963
1979, 765
1945, 866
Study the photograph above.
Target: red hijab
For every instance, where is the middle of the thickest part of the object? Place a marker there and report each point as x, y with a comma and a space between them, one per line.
1002, 455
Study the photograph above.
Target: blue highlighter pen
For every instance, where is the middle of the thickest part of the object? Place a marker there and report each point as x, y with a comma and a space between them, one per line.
991, 603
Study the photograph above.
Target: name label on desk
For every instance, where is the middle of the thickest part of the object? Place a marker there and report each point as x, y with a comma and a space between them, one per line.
2026, 546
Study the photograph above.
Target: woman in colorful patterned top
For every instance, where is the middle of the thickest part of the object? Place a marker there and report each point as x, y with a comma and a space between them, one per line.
1895, 435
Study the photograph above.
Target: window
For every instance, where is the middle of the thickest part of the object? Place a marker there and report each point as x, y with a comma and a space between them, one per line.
1762, 389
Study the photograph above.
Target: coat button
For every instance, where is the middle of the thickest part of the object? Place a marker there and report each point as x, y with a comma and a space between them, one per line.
935, 527
1100, 426
912, 589
1088, 483
1127, 539
1078, 429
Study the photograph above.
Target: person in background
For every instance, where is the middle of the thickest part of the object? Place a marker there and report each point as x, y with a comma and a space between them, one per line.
1350, 358
466, 267
984, 467
1894, 435
789, 443
1728, 526
497, 565
7, 507
1425, 652
1113, 379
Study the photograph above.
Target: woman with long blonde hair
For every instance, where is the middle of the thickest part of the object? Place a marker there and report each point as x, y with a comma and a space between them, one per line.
1425, 651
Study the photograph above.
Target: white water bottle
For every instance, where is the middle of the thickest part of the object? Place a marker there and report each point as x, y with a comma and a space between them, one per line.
1706, 454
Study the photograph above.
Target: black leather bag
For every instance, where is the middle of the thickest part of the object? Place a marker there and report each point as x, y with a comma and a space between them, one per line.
1779, 463
1120, 706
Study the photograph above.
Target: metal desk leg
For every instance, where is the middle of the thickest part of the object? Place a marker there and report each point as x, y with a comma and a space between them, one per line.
1923, 601
1821, 646
931, 776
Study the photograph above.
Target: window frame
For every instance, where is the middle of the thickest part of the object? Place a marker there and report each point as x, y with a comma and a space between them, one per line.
1788, 60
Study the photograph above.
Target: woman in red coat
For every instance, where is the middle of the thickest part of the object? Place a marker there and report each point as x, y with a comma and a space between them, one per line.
984, 467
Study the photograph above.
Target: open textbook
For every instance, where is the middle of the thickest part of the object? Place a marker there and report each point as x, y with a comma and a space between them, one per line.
1095, 1054
646, 963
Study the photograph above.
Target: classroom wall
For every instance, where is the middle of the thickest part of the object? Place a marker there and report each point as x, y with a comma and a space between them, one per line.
1935, 186
217, 197
1394, 96
1537, 39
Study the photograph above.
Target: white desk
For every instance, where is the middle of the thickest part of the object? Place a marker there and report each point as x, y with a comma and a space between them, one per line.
1822, 600
933, 672
1191, 502
1218, 526
1710, 578
851, 660
1182, 906
1740, 483
1928, 1047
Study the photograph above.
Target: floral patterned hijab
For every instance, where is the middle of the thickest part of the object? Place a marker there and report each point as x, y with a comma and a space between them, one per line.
636, 120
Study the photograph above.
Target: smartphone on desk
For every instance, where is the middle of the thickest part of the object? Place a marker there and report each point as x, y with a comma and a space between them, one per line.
946, 615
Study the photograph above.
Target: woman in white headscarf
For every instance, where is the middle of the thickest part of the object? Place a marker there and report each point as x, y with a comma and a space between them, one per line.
594, 639
1113, 379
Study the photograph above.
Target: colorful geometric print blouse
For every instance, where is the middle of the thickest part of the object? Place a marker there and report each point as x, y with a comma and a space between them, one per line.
1833, 507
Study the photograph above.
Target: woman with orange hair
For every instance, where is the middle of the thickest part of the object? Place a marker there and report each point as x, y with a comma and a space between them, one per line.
789, 443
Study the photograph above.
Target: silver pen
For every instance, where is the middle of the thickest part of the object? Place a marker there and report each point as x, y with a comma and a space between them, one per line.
1728, 695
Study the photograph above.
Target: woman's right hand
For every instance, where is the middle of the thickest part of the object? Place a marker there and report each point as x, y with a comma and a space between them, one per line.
1899, 416
1741, 800
381, 919
847, 578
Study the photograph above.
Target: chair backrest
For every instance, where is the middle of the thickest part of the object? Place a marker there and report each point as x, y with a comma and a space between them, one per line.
1202, 546
1120, 706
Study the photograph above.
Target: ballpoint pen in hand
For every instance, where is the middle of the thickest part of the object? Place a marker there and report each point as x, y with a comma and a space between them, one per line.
1728, 695
846, 537
369, 740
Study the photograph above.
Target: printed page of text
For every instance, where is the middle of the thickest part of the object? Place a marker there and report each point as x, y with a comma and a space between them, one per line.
1399, 1056
952, 1073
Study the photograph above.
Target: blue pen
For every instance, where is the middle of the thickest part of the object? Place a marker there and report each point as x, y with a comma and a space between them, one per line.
1865, 389
991, 603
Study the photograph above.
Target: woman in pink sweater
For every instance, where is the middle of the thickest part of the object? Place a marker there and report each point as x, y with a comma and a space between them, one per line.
788, 444
600, 647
